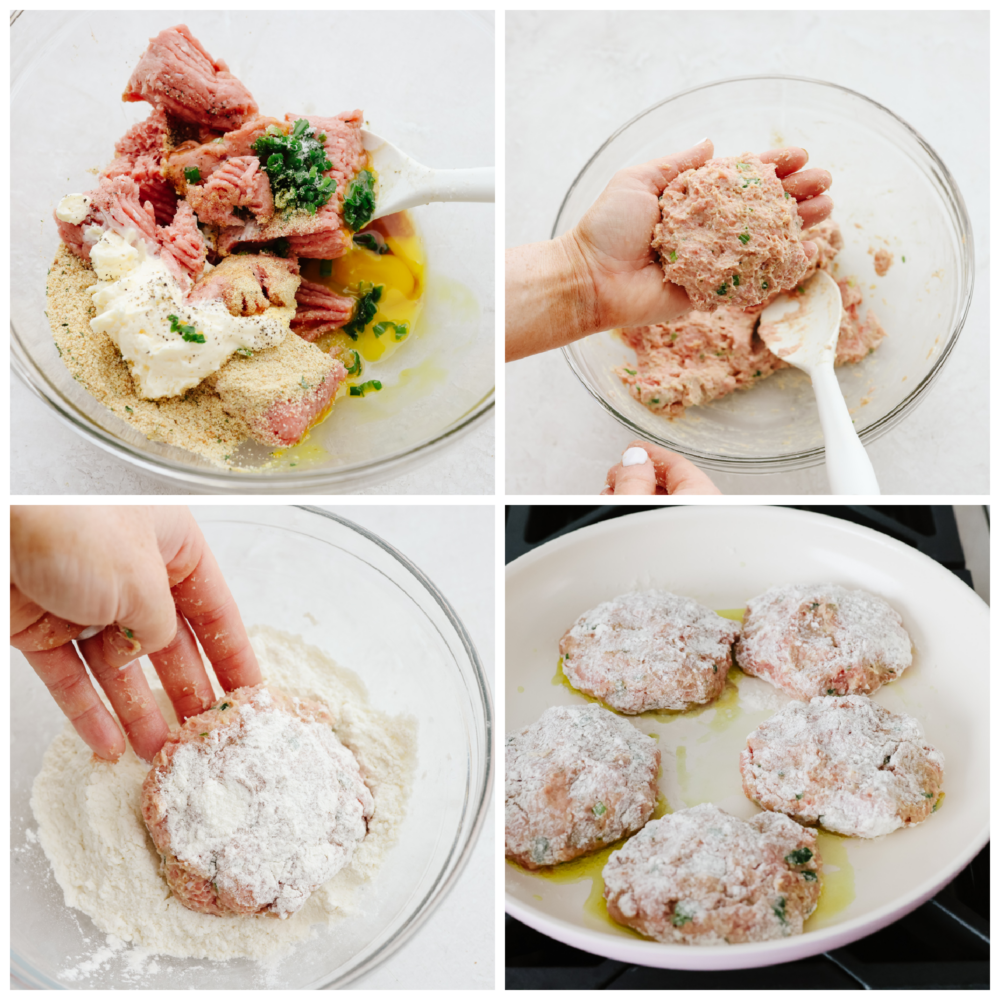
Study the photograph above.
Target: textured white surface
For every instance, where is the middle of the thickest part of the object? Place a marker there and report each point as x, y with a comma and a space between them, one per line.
573, 79
73, 465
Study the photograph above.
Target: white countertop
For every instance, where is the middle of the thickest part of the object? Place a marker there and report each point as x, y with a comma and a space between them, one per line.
573, 79
74, 466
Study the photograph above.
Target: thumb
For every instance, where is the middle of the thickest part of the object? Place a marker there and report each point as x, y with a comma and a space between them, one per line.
635, 475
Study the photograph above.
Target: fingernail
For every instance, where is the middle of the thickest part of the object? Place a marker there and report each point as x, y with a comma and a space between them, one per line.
124, 641
700, 141
635, 456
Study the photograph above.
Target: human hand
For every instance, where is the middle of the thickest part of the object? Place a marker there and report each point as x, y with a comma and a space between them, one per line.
147, 574
654, 471
610, 246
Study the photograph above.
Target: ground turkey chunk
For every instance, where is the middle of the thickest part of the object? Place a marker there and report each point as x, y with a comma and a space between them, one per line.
845, 763
701, 876
577, 780
254, 804
729, 234
649, 650
823, 639
704, 356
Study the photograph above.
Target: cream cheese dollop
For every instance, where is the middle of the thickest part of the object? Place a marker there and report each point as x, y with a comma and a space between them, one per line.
135, 302
73, 209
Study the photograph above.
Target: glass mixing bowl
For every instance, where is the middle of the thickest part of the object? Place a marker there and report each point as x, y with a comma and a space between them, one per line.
427, 86
352, 595
888, 185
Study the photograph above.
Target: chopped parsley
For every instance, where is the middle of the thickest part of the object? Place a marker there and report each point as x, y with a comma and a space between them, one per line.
830, 691
355, 368
224, 706
129, 633
673, 256
295, 165
809, 876
399, 329
185, 330
364, 311
722, 289
928, 795
799, 856
371, 241
629, 371
736, 281
539, 848
359, 205
779, 909
744, 238
799, 796
684, 912
203, 734
763, 285
600, 809
814, 606
128, 409
192, 175
372, 385
787, 195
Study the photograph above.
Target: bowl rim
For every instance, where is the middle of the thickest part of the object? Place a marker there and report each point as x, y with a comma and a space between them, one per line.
475, 809
238, 481
813, 456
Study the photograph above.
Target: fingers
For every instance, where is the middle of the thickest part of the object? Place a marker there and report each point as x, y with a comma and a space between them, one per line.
634, 475
46, 633
815, 210
807, 183
205, 601
786, 160
130, 697
182, 672
676, 474
64, 675
657, 174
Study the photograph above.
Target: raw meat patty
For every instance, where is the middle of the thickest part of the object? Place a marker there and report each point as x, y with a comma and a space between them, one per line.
647, 650
577, 780
822, 639
729, 234
701, 876
701, 357
254, 804
845, 763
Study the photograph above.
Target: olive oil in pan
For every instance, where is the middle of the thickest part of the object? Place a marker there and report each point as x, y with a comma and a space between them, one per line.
836, 880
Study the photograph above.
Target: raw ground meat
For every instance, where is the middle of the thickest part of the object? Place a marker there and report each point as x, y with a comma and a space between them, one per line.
729, 234
701, 876
883, 261
178, 75
705, 356
254, 804
249, 283
648, 650
320, 310
847, 764
576, 780
822, 639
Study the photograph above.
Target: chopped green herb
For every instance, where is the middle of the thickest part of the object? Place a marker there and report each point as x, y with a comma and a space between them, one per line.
355, 368
779, 909
743, 166
359, 205
629, 371
736, 281
600, 809
722, 289
674, 336
830, 691
224, 706
764, 285
245, 352
192, 175
799, 856
787, 195
656, 400
928, 795
887, 758
539, 848
809, 876
371, 241
372, 385
129, 633
744, 238
364, 311
684, 912
814, 606
801, 290
756, 374
325, 268
128, 409
799, 796
715, 669
185, 330
400, 330
673, 256
295, 165
904, 260
203, 734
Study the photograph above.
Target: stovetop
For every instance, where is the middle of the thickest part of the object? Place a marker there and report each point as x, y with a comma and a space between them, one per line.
943, 944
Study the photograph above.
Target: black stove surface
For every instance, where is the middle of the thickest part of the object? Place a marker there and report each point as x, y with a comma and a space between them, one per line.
943, 944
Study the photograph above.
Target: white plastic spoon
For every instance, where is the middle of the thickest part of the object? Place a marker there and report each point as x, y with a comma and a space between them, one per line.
404, 183
803, 331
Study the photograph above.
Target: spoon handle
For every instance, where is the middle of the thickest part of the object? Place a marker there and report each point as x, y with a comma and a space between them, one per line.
848, 467
470, 184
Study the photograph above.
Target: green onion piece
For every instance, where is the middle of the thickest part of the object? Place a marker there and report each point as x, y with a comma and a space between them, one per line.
359, 205
744, 238
673, 256
364, 311
600, 809
192, 175
373, 385
809, 876
355, 368
371, 241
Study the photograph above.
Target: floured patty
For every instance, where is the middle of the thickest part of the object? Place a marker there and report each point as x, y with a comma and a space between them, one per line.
701, 876
254, 804
650, 649
846, 764
576, 780
821, 639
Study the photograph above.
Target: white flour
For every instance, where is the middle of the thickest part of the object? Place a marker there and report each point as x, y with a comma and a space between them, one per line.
90, 823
